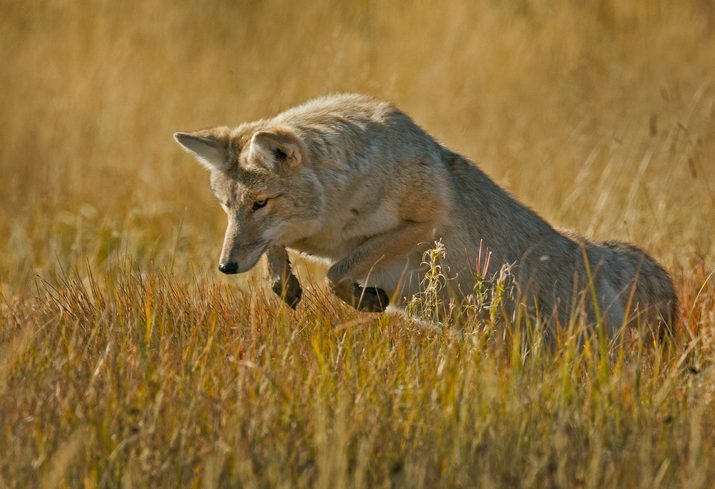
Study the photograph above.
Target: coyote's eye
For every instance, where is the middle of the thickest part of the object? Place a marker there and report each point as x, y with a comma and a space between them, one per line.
259, 203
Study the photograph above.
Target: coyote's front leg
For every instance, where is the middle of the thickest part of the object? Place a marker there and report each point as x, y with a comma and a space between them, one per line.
282, 280
343, 277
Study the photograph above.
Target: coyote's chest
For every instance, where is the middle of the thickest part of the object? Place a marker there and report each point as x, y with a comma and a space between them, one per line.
346, 230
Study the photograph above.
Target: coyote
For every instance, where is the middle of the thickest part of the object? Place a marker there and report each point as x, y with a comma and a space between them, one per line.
355, 182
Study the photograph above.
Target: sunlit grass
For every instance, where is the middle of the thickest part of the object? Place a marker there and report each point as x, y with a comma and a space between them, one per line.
169, 382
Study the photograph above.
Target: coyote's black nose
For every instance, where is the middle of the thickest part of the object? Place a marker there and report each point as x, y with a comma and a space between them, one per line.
230, 267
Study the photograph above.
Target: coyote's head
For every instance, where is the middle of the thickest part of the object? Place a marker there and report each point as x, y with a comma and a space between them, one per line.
263, 180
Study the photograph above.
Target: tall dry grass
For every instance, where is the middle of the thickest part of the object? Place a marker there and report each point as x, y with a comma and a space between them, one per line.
126, 361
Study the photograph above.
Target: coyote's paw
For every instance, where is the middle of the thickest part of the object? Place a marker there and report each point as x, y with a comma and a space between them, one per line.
371, 299
291, 292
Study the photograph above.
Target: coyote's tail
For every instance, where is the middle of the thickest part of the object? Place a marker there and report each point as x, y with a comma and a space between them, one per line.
654, 294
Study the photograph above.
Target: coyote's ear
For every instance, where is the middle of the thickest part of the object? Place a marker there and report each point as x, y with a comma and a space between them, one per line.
209, 150
277, 146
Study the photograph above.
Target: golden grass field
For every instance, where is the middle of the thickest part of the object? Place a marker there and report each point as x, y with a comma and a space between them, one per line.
126, 360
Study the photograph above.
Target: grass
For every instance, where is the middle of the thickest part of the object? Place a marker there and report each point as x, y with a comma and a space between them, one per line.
125, 360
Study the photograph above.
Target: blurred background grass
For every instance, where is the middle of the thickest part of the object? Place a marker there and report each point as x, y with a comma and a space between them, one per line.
599, 114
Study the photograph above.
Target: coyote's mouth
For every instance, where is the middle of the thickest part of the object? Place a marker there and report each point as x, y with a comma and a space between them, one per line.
248, 260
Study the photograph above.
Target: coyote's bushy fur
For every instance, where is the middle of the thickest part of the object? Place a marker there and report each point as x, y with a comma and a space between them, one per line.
356, 182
